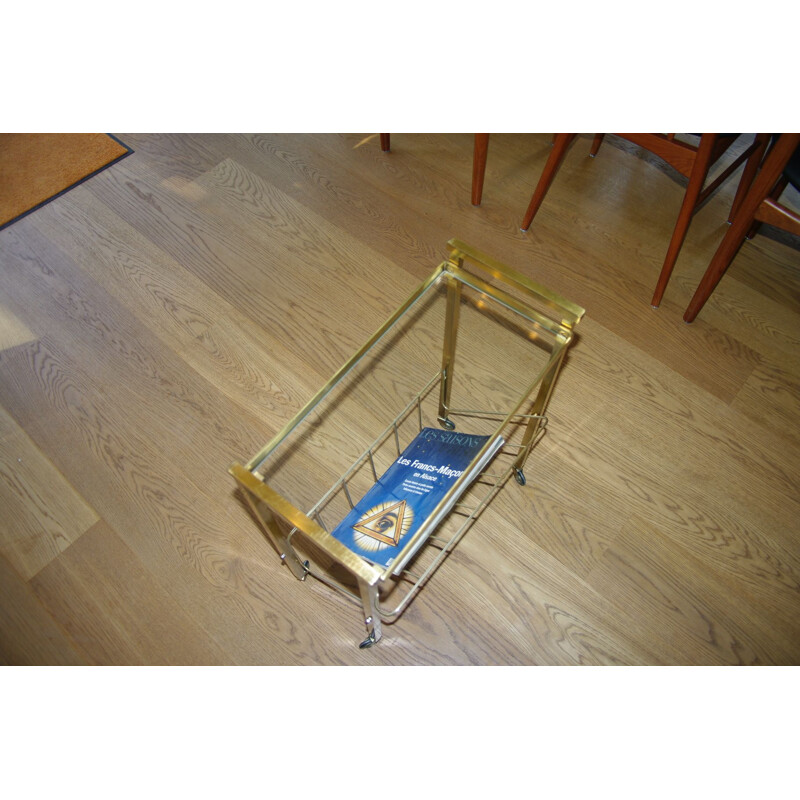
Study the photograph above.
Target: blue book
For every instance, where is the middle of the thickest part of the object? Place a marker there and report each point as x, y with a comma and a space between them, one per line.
391, 512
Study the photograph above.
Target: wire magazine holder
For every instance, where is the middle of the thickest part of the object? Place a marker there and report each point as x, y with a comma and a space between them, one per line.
476, 348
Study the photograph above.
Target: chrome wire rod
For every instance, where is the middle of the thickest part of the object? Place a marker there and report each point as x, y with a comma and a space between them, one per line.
445, 551
347, 493
372, 465
396, 438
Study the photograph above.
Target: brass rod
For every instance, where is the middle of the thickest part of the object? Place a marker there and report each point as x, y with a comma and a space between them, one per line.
282, 508
571, 311
504, 299
452, 314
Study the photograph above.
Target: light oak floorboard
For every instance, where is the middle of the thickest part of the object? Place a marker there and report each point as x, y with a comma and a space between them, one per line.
28, 634
42, 513
687, 604
113, 608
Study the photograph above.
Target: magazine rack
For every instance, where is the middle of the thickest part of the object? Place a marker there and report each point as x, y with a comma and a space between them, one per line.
476, 347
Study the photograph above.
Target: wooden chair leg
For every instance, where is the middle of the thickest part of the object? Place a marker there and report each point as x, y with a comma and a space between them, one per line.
697, 178
762, 186
479, 152
596, 142
561, 144
749, 173
780, 186
385, 142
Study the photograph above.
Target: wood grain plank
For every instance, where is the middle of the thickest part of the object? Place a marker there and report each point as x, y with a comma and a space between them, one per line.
126, 356
670, 410
687, 466
597, 279
28, 634
763, 324
116, 611
316, 258
770, 398
677, 456
767, 263
42, 514
128, 362
191, 320
176, 156
647, 573
322, 185
199, 239
12, 330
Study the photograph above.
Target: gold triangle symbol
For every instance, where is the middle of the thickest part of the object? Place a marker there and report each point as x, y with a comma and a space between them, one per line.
386, 525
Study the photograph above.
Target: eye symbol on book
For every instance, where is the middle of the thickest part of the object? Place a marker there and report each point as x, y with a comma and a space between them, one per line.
383, 526
385, 522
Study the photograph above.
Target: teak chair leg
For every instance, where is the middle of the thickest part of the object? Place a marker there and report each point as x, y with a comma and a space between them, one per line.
749, 173
479, 152
762, 186
775, 194
561, 144
596, 142
385, 141
696, 180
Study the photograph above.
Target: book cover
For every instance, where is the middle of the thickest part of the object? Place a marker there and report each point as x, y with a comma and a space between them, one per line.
405, 495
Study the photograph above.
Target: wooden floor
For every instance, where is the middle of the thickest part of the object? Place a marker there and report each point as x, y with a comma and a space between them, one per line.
166, 318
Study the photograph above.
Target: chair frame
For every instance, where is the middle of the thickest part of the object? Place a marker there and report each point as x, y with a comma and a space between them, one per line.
759, 205
693, 162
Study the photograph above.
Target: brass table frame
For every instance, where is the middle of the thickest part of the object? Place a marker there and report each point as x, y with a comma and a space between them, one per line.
493, 283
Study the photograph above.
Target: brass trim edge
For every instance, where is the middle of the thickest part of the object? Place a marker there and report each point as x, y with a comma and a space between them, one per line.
572, 312
305, 525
